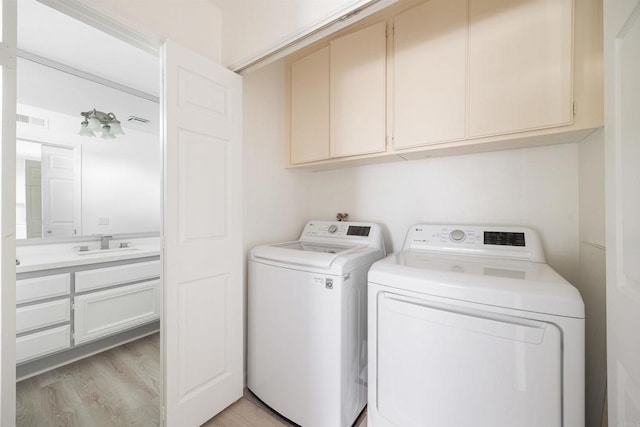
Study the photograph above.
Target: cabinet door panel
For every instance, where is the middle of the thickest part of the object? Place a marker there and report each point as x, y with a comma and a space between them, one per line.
429, 73
36, 288
519, 65
41, 343
310, 107
41, 315
357, 76
103, 313
120, 274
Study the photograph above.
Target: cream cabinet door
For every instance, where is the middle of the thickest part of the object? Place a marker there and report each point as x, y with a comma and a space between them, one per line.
309, 107
429, 73
519, 65
357, 76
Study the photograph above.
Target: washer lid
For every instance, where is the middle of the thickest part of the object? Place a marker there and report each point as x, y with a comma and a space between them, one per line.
515, 284
312, 254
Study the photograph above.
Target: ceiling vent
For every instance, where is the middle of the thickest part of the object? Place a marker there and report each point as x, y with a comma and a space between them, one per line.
37, 122
137, 119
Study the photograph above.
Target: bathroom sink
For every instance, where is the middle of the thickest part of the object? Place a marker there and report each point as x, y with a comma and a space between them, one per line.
107, 251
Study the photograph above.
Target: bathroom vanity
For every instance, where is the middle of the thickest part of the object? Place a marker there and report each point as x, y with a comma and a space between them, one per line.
71, 304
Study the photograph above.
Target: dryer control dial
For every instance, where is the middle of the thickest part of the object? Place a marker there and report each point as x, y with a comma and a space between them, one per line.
332, 228
457, 235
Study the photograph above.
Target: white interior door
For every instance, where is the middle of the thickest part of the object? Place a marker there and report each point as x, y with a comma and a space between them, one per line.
8, 24
203, 330
58, 191
622, 133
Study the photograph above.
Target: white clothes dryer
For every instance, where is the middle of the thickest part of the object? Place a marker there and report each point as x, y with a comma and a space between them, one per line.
307, 322
468, 326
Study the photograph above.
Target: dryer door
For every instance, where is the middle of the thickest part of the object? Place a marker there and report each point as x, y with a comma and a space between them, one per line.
443, 365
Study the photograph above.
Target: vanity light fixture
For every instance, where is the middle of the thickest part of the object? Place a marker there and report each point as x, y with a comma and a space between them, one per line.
97, 121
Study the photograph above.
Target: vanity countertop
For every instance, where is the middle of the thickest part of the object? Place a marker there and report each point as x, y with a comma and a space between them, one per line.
30, 262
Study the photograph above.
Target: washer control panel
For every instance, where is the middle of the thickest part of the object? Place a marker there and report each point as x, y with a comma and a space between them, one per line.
509, 242
360, 233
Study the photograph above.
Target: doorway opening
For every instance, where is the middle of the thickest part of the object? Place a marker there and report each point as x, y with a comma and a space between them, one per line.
88, 219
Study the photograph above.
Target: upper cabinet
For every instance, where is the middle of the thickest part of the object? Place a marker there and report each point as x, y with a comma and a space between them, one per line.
461, 76
520, 55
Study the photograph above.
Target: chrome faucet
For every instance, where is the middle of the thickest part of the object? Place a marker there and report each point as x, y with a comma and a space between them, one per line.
104, 241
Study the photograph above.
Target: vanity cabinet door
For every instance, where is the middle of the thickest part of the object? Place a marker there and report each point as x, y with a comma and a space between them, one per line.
429, 73
358, 88
520, 60
309, 95
103, 313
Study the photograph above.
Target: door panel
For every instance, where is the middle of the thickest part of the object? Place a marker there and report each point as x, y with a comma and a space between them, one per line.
310, 107
622, 130
203, 333
58, 201
446, 359
429, 73
519, 65
357, 73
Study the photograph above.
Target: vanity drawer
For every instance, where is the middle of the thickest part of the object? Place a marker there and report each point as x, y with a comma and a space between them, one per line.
109, 276
28, 290
42, 343
103, 313
41, 315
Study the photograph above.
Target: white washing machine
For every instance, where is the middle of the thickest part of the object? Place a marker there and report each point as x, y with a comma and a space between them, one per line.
468, 326
307, 322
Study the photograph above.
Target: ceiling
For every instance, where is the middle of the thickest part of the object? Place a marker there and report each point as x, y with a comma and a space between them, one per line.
45, 32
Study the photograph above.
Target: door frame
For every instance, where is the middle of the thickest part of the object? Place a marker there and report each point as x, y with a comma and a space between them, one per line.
99, 21
8, 220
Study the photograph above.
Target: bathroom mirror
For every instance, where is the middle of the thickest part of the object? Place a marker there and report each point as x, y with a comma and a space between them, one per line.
71, 185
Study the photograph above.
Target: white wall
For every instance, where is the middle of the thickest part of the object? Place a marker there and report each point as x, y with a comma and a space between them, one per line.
535, 187
276, 200
195, 24
592, 281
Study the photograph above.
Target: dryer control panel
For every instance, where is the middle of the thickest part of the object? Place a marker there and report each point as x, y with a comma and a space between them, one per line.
505, 242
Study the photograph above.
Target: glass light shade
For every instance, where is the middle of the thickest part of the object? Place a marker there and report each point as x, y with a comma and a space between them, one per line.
116, 129
84, 130
94, 124
106, 132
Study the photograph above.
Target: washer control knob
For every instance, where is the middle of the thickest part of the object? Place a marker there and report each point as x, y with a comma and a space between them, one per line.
457, 235
332, 228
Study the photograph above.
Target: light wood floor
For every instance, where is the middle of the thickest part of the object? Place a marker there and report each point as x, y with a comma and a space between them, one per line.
251, 412
120, 387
